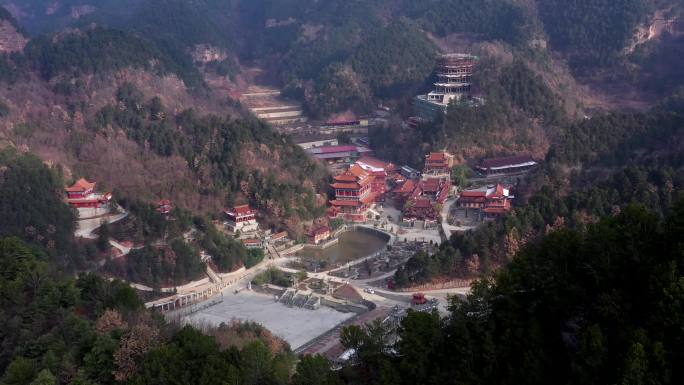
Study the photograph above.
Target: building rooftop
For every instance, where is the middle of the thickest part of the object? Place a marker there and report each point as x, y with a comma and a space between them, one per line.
280, 235
358, 171
319, 231
81, 185
299, 139
239, 210
406, 188
352, 185
503, 162
251, 241
430, 185
372, 164
336, 149
457, 55
436, 156
497, 190
422, 203
351, 203
410, 170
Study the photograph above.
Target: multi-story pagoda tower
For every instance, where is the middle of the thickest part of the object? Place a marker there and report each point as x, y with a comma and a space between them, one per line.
454, 82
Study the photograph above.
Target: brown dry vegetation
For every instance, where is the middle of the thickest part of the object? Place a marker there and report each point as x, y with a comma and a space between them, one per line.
41, 122
10, 39
54, 127
239, 334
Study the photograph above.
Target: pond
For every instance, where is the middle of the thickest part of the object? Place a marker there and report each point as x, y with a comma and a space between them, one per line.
353, 245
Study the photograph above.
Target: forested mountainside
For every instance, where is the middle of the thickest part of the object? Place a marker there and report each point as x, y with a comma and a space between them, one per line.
33, 210
89, 330
594, 306
339, 56
308, 35
149, 125
522, 115
601, 305
109, 104
580, 284
594, 169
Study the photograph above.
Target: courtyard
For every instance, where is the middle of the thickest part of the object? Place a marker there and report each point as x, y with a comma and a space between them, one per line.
295, 325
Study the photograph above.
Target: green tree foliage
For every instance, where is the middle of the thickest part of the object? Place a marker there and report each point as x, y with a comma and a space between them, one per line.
496, 19
58, 331
254, 256
183, 23
394, 59
44, 377
103, 237
615, 138
146, 224
193, 358
594, 306
493, 244
216, 148
48, 323
32, 206
6, 16
228, 67
460, 175
337, 88
226, 253
592, 30
370, 344
516, 98
98, 295
175, 264
19, 372
314, 370
617, 141
273, 276
100, 50
349, 68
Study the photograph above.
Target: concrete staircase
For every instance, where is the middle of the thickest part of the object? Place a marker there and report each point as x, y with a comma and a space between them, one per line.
213, 276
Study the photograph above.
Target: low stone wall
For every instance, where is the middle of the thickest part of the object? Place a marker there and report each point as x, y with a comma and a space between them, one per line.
187, 286
344, 307
323, 245
390, 237
233, 274
268, 289
453, 284
293, 249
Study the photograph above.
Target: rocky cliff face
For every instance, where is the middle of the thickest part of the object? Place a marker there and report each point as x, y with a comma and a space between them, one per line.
662, 23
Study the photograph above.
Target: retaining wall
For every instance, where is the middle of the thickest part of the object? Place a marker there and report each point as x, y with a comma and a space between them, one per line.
453, 284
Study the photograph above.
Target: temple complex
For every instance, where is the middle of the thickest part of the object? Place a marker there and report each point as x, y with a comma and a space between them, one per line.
422, 199
241, 218
82, 194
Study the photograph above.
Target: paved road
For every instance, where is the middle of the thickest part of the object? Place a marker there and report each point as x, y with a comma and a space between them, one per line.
384, 297
86, 227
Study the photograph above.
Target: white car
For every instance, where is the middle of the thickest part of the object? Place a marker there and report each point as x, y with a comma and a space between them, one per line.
369, 290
